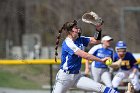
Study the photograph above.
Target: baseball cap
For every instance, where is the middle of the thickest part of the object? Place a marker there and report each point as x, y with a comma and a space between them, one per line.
106, 38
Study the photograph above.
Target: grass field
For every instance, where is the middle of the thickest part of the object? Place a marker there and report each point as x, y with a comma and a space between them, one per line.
24, 76
11, 80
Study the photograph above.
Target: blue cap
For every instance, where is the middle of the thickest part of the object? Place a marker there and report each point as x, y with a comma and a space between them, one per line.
120, 44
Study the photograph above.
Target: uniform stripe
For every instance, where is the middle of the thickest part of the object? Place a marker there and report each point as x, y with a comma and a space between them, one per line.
109, 90
71, 44
65, 66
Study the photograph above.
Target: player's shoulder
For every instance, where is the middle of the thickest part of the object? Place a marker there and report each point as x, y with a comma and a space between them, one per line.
129, 54
84, 36
67, 42
110, 48
95, 48
68, 39
98, 46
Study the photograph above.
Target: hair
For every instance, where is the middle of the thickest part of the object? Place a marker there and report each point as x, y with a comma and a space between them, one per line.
67, 27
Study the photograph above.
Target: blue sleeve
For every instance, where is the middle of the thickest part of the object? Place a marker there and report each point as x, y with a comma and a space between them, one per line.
69, 51
85, 40
69, 46
133, 60
115, 57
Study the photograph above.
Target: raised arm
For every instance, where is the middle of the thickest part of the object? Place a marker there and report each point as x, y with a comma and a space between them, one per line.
97, 35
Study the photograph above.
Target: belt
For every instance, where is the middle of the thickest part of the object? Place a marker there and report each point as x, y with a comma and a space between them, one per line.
71, 72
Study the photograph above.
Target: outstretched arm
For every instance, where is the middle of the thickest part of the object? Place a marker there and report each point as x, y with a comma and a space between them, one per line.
116, 64
88, 56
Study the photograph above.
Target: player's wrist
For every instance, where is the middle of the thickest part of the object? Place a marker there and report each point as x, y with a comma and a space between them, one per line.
97, 35
102, 60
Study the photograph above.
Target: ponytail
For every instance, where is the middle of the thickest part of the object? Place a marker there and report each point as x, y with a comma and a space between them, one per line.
67, 27
57, 43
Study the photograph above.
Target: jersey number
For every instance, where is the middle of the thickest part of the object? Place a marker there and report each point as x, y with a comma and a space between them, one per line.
125, 63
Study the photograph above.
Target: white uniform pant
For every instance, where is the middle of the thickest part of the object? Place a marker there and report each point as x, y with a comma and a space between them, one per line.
65, 81
125, 74
101, 75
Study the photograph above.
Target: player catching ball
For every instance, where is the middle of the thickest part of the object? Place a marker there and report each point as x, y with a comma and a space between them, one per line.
128, 68
99, 70
72, 53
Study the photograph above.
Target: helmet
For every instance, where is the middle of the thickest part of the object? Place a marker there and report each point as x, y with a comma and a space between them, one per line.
121, 44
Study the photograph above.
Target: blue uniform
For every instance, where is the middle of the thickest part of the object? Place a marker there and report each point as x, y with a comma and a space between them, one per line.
69, 74
99, 69
126, 71
70, 61
128, 62
101, 52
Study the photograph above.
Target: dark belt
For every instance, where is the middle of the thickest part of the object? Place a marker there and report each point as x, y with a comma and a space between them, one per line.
71, 72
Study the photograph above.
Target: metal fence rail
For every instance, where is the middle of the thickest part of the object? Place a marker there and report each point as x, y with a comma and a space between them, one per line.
37, 61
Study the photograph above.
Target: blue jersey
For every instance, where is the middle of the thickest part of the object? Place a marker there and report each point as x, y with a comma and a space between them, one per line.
128, 61
70, 61
101, 52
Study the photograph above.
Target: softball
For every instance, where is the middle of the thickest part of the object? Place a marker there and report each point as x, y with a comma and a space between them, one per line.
108, 62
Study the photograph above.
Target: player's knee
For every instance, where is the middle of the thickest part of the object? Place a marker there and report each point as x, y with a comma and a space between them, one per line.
136, 86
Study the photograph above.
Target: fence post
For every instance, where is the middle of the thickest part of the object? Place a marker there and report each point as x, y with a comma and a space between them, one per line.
51, 78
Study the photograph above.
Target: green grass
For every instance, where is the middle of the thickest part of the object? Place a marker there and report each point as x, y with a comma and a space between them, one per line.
8, 79
25, 76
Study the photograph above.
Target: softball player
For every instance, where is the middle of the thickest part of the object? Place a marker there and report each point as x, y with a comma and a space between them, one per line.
72, 53
128, 68
100, 71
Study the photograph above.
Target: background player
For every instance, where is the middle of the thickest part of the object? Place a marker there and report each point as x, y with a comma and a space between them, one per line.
100, 71
72, 53
128, 68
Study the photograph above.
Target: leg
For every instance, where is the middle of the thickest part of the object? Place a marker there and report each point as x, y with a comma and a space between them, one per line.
90, 85
117, 79
135, 82
63, 82
96, 73
59, 88
107, 80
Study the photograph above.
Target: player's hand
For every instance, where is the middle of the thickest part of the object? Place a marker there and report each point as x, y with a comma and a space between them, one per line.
104, 59
98, 27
